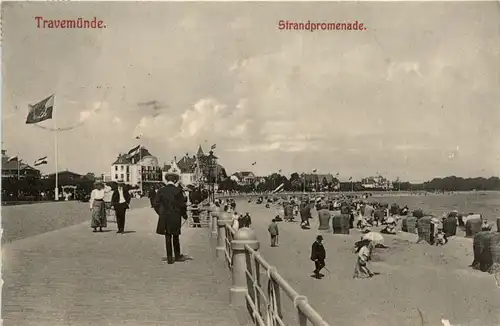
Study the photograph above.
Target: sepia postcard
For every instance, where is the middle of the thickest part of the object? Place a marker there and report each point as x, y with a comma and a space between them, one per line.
250, 163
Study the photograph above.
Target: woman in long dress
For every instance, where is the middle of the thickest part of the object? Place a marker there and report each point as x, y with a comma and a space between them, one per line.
364, 250
98, 207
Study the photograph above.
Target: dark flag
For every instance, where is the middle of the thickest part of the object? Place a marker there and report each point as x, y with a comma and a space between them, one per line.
254, 163
134, 151
41, 111
214, 146
40, 161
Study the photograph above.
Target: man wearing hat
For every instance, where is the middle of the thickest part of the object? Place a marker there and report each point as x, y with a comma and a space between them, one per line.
318, 255
120, 201
170, 204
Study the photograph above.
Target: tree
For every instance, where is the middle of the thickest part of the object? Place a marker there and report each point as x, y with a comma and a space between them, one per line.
90, 176
228, 185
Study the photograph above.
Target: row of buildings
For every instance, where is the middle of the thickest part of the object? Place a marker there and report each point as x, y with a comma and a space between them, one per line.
143, 168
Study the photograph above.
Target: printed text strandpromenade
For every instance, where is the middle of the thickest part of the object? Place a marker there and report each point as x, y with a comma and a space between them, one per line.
290, 25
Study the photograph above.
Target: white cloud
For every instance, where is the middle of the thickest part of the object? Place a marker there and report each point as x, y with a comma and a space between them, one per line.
96, 107
396, 69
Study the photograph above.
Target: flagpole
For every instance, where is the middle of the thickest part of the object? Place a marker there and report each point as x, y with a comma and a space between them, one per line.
18, 176
56, 151
140, 165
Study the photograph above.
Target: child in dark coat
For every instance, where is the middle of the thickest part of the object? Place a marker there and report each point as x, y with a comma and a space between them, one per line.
273, 232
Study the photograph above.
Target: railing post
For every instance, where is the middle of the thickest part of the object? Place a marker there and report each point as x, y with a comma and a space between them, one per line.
302, 317
239, 289
223, 219
215, 216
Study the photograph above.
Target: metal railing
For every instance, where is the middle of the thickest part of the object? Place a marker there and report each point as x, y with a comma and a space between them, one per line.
239, 249
272, 299
230, 232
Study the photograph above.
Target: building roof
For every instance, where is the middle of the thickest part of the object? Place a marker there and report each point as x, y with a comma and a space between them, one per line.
65, 174
244, 174
319, 177
187, 164
200, 151
12, 165
126, 159
122, 159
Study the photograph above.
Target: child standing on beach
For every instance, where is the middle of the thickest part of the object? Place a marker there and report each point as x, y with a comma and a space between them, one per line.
273, 232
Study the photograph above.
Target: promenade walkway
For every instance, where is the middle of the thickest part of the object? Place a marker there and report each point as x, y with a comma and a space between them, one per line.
72, 276
417, 285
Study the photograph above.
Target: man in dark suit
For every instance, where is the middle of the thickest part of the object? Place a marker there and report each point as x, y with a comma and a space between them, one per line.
121, 202
170, 204
318, 256
152, 194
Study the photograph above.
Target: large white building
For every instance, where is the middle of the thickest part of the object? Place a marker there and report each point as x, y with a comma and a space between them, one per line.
137, 169
377, 182
244, 177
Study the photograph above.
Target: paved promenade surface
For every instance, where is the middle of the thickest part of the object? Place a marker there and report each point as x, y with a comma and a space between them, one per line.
22, 221
418, 284
72, 276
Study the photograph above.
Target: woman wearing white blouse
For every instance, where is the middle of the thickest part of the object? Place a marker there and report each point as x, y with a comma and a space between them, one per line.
98, 208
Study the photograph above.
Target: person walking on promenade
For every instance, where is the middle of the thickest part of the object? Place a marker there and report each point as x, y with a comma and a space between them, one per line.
246, 221
170, 205
195, 213
152, 194
235, 224
274, 233
98, 208
318, 256
364, 250
120, 201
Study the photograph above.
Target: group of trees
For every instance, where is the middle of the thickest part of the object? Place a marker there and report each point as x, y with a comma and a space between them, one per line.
32, 188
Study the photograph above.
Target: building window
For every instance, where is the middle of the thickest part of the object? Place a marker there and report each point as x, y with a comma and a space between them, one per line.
121, 176
128, 177
116, 167
128, 170
121, 168
116, 176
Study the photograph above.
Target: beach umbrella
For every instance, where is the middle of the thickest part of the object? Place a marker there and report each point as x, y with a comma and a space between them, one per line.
376, 237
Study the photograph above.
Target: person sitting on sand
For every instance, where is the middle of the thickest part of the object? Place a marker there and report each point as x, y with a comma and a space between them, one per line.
390, 227
486, 226
364, 250
441, 238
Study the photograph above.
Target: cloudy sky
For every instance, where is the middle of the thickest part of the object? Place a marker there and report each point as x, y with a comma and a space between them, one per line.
416, 95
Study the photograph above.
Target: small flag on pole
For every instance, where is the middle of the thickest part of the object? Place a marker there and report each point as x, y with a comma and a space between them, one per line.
214, 146
12, 158
254, 163
350, 178
138, 136
40, 161
315, 170
338, 173
41, 111
279, 171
